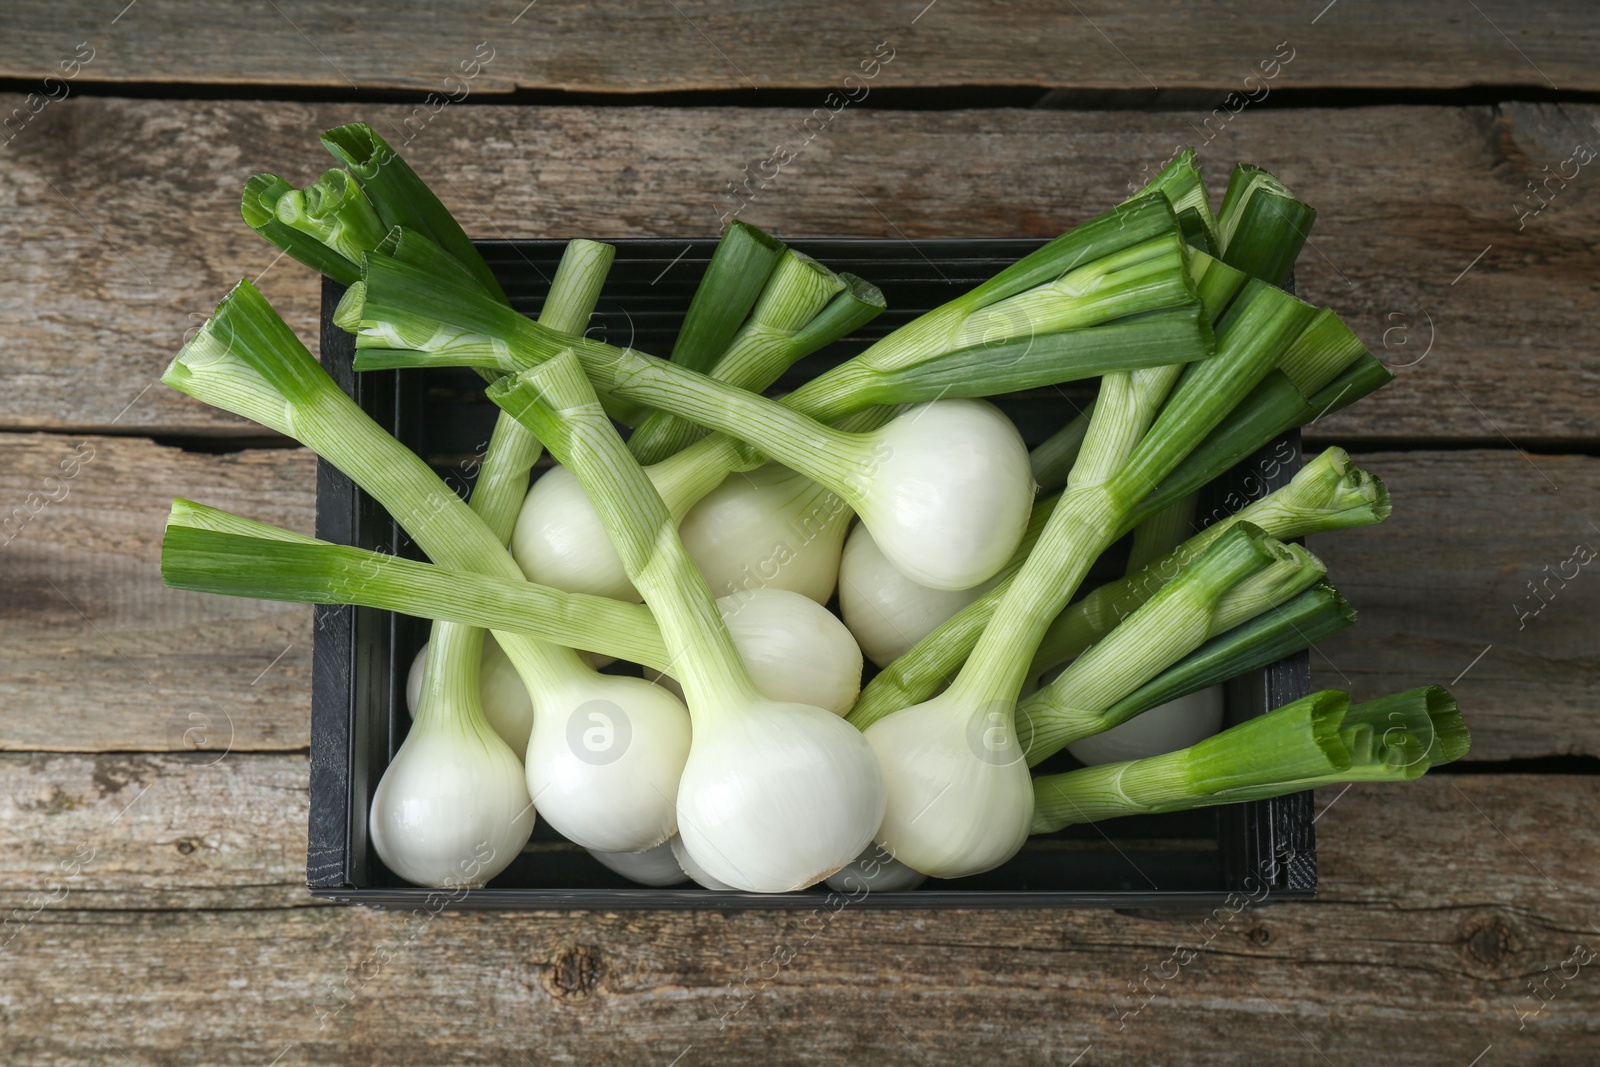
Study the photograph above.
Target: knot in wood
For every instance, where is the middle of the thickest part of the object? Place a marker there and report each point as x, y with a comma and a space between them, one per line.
1489, 940
574, 974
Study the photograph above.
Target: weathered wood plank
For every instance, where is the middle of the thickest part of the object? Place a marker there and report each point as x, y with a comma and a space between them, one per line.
1418, 238
1444, 595
146, 668
596, 47
97, 654
1440, 900
137, 830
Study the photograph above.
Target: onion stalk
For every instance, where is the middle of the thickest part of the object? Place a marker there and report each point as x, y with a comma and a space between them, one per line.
1279, 631
1319, 740
1238, 576
790, 652
803, 307
1121, 459
737, 275
398, 304
1262, 227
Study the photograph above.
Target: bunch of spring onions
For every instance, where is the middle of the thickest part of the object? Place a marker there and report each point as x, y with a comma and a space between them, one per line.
657, 644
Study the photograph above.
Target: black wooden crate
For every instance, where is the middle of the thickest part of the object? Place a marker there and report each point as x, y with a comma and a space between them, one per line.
361, 655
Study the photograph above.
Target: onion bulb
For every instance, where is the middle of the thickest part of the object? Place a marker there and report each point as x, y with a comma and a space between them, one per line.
1164, 728
886, 611
559, 541
794, 648
875, 871
769, 528
452, 809
691, 868
947, 490
960, 799
654, 866
604, 757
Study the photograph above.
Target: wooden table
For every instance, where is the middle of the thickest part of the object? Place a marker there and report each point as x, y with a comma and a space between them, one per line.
157, 907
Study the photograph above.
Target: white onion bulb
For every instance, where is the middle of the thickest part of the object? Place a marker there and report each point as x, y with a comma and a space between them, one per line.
886, 611
948, 492
452, 809
795, 649
777, 796
769, 528
692, 869
560, 541
654, 866
1164, 728
604, 759
875, 871
960, 799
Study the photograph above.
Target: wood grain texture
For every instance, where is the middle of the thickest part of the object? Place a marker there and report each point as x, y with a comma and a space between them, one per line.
616, 47
102, 831
1443, 591
1417, 242
1440, 900
96, 656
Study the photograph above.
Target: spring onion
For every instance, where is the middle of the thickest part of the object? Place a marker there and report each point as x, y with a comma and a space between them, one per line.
1238, 576
775, 796
775, 529
790, 651
1329, 493
1262, 227
946, 487
1183, 704
247, 361
1319, 740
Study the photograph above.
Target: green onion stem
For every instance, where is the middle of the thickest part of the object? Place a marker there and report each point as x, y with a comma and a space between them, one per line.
1104, 488
1329, 493
1273, 408
1181, 182
403, 199
258, 206
246, 360
503, 477
197, 556
739, 270
508, 460
1318, 356
1300, 623
1262, 226
1177, 620
407, 317
1052, 459
1216, 283
334, 211
402, 308
797, 293
1162, 532
1317, 741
